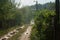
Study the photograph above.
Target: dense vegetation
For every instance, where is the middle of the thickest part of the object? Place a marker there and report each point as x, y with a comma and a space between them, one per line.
27, 14
12, 16
9, 14
44, 20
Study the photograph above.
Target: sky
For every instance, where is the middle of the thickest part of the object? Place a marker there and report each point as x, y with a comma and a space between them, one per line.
31, 2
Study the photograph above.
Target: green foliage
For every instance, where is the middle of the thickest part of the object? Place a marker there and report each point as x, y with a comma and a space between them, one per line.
27, 14
34, 35
9, 14
43, 24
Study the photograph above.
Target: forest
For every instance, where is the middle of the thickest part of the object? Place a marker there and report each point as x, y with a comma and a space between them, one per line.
11, 16
44, 22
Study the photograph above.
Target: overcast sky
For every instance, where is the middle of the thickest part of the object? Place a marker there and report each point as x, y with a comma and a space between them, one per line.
31, 2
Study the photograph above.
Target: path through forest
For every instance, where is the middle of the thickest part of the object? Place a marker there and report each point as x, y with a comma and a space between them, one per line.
26, 34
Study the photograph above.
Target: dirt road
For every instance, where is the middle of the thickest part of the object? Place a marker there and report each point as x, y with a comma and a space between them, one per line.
12, 33
26, 34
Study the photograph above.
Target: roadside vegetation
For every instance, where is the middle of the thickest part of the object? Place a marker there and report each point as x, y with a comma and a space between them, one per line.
44, 23
11, 16
17, 36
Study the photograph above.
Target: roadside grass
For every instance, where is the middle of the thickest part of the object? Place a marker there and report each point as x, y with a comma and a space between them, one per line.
4, 32
16, 36
33, 35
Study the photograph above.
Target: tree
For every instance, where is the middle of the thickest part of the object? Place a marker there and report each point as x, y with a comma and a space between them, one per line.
9, 14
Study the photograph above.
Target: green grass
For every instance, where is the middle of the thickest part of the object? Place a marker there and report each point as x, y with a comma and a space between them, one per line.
34, 34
